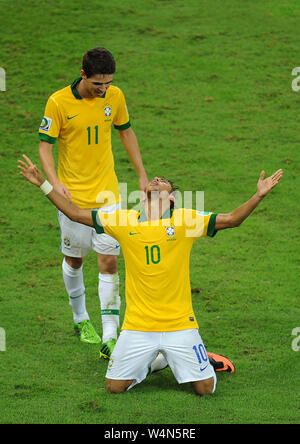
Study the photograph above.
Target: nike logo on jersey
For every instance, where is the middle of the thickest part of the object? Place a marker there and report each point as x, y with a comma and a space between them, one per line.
72, 117
131, 234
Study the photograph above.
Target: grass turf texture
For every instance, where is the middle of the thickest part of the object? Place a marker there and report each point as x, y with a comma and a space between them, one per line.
208, 86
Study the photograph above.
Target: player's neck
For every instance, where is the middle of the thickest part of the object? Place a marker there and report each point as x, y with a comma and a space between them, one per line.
156, 208
83, 92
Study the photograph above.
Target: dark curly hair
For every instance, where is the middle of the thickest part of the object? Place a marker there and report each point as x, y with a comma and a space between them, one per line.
174, 188
171, 183
98, 61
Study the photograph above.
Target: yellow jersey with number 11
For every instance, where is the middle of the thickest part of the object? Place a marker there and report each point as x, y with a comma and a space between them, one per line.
83, 129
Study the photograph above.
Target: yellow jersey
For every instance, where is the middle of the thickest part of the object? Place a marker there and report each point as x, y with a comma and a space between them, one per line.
157, 262
83, 129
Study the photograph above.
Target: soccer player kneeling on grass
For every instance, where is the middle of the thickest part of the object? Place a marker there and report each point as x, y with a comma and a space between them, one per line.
156, 244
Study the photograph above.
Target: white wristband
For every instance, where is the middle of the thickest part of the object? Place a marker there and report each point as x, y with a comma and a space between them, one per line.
46, 187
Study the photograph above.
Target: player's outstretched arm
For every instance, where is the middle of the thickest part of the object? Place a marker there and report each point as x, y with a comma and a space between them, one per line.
237, 216
35, 176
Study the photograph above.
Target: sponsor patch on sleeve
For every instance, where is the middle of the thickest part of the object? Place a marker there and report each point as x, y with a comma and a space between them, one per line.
46, 124
203, 213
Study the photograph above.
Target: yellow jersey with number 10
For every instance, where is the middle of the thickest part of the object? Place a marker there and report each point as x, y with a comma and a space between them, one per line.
83, 129
157, 262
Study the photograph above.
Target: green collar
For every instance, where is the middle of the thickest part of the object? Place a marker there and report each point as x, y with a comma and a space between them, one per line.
167, 215
75, 90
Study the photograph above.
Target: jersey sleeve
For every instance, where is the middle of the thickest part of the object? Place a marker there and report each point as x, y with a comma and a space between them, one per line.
51, 122
199, 223
107, 223
121, 120
97, 222
211, 230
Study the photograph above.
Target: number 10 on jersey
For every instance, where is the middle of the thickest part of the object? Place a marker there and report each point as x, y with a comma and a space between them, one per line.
152, 254
93, 135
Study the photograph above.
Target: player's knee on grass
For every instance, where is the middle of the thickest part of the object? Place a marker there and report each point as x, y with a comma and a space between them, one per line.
116, 386
204, 387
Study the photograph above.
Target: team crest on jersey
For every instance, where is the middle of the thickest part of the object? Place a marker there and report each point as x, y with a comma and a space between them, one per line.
107, 110
45, 124
170, 231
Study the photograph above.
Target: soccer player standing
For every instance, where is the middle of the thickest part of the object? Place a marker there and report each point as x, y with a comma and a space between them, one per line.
80, 116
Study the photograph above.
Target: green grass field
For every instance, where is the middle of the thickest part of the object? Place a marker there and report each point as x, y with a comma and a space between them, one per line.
208, 87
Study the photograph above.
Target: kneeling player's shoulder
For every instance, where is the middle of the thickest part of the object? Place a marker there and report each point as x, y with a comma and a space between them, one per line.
183, 212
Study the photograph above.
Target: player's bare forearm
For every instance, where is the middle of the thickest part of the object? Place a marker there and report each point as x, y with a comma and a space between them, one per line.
35, 176
47, 161
70, 209
238, 215
48, 164
130, 143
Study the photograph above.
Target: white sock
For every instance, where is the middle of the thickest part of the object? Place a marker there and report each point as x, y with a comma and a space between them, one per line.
110, 302
73, 279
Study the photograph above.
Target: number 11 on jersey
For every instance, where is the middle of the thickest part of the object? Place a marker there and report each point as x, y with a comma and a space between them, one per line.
91, 135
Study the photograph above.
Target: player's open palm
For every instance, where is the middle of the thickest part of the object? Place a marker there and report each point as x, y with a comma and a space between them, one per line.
30, 171
264, 186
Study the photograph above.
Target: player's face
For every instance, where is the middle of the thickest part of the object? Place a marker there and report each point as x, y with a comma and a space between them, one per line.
97, 84
159, 184
159, 188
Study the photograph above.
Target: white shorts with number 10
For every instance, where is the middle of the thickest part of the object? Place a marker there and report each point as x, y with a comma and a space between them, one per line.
136, 350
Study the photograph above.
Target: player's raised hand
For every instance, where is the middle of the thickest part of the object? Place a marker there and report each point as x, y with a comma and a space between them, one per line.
264, 186
30, 171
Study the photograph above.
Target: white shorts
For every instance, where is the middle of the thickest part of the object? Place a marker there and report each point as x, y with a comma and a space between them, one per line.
77, 240
136, 350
